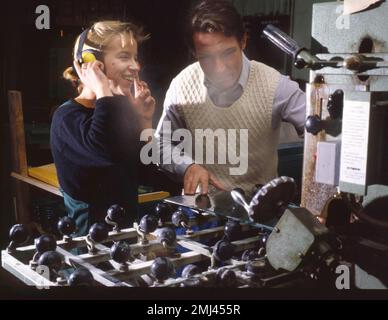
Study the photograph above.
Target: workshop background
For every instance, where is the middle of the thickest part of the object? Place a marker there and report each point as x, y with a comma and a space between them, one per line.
32, 62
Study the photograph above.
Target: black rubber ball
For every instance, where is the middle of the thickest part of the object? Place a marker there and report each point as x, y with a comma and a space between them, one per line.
178, 217
45, 243
223, 250
18, 233
167, 235
66, 226
116, 213
81, 277
148, 223
51, 259
99, 232
163, 211
120, 251
162, 268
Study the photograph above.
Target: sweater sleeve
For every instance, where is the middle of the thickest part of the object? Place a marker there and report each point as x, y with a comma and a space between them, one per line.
171, 119
289, 105
105, 137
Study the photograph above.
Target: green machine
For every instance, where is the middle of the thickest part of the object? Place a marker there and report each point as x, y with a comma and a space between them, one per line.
345, 176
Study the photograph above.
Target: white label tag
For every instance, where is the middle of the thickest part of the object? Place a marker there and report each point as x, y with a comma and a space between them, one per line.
354, 150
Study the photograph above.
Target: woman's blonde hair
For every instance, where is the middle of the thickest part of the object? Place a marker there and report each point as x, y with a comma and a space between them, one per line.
99, 36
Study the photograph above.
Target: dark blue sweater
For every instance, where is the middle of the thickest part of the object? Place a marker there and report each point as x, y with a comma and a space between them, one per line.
96, 153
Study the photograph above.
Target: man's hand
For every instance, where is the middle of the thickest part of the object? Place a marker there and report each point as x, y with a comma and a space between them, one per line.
197, 175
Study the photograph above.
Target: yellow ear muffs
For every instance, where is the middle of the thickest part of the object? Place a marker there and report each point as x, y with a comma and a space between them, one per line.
84, 53
88, 57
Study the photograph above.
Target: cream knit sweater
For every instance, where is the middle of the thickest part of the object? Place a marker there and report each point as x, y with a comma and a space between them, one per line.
252, 111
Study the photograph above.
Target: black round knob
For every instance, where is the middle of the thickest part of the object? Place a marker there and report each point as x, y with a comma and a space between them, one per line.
335, 104
18, 233
99, 232
190, 270
162, 268
66, 226
314, 124
51, 259
45, 243
116, 214
81, 277
163, 211
120, 251
148, 223
233, 230
249, 254
223, 250
226, 278
167, 235
178, 217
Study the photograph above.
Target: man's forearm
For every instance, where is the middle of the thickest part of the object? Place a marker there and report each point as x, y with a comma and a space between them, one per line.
172, 160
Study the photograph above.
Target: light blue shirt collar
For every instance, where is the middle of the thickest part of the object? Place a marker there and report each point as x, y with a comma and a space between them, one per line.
226, 98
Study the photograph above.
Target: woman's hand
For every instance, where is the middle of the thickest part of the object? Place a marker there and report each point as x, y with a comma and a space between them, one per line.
141, 101
92, 76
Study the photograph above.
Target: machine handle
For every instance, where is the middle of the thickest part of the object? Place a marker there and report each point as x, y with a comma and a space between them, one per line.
282, 40
239, 199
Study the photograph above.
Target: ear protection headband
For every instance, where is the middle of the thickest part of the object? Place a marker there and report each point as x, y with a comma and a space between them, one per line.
84, 52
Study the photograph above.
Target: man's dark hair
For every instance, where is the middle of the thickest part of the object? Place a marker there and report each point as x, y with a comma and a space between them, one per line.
214, 16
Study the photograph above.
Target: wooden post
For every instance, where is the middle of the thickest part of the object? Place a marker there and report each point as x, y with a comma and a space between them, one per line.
19, 156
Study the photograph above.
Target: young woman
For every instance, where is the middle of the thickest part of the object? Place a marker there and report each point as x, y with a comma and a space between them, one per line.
95, 137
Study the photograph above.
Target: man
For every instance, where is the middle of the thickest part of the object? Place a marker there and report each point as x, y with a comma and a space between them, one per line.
224, 90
